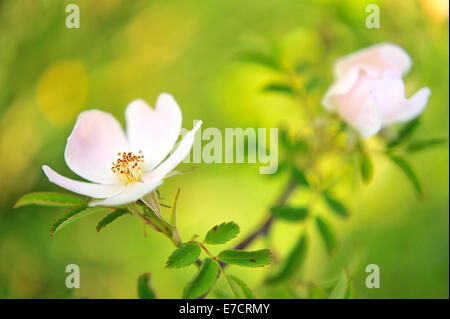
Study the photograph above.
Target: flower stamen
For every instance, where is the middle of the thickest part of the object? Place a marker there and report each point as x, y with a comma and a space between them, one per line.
128, 167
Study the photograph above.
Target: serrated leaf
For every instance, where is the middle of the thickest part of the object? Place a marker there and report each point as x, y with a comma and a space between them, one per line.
222, 233
293, 261
335, 205
405, 132
257, 258
278, 88
243, 289
289, 213
342, 287
409, 173
423, 145
145, 289
108, 219
366, 168
74, 214
259, 58
185, 255
203, 281
326, 233
49, 199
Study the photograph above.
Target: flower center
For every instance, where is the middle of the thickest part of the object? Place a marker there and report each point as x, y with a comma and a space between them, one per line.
128, 167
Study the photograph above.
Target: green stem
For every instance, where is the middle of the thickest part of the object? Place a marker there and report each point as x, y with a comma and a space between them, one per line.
156, 222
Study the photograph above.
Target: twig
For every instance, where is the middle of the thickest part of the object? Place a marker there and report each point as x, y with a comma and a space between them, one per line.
265, 227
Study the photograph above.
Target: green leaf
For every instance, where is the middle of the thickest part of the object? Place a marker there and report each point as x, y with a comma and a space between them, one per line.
145, 289
366, 167
289, 213
49, 199
282, 166
302, 67
315, 291
405, 132
203, 281
313, 83
108, 219
409, 173
343, 287
258, 258
222, 233
422, 145
260, 58
300, 145
183, 256
300, 177
293, 261
244, 290
75, 213
326, 234
279, 88
336, 206
284, 138
350, 294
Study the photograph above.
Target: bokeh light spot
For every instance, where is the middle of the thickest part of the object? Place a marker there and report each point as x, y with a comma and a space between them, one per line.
62, 91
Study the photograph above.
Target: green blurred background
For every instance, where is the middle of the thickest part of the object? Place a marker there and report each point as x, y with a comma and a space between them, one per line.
136, 49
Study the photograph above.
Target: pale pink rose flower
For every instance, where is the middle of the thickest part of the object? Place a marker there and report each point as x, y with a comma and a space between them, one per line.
124, 167
368, 91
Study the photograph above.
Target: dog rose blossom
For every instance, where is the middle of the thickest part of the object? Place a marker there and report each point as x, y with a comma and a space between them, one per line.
121, 167
368, 91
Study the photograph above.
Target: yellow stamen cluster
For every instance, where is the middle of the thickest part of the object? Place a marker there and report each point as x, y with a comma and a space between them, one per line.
128, 167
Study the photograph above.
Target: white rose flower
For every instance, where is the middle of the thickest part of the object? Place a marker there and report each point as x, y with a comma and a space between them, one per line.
124, 167
368, 91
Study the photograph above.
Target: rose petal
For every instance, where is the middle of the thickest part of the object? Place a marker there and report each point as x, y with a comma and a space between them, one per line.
380, 57
175, 158
340, 86
154, 131
93, 145
83, 188
389, 96
357, 106
132, 193
414, 106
